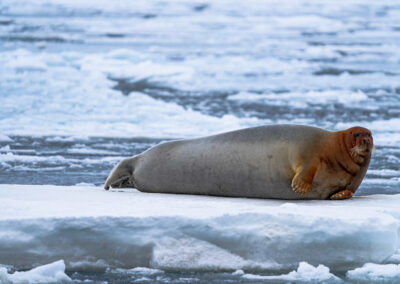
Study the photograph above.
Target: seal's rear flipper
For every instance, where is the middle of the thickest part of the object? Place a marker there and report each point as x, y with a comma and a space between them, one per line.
121, 175
121, 182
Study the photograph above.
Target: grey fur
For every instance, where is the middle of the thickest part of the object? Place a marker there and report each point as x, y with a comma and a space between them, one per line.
254, 162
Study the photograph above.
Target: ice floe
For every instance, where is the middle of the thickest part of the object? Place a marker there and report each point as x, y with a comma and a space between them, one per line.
5, 138
50, 273
42, 224
371, 272
304, 273
160, 107
102, 111
304, 99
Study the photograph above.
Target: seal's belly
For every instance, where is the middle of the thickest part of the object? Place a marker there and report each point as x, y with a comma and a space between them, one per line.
224, 169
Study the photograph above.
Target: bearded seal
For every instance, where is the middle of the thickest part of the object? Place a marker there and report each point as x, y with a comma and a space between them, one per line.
273, 161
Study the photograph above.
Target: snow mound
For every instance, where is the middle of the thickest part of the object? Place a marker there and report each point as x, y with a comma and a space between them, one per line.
90, 227
372, 272
305, 273
49, 273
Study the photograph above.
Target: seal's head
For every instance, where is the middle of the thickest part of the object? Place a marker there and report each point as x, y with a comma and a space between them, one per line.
359, 142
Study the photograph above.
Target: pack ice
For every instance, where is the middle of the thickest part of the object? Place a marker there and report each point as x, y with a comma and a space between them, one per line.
90, 228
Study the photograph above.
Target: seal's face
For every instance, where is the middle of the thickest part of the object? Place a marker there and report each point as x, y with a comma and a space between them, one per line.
361, 141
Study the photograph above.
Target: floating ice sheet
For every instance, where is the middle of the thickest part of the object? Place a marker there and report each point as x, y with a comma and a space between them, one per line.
304, 273
49, 273
371, 272
41, 224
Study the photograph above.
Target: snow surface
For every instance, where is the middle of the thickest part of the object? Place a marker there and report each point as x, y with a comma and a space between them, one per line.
89, 227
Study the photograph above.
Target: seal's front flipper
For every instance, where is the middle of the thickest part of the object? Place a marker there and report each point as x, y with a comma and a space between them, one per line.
303, 179
343, 194
121, 175
300, 186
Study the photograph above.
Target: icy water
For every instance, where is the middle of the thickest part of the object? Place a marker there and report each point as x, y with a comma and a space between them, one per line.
86, 83
159, 276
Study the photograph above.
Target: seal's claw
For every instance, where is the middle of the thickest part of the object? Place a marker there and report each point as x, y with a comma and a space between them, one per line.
343, 194
300, 186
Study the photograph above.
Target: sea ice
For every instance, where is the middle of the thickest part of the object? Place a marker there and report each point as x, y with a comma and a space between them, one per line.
139, 270
371, 272
42, 224
67, 112
303, 100
4, 138
305, 273
49, 273
395, 258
